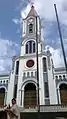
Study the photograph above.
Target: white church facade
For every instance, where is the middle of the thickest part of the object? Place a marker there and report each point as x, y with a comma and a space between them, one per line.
21, 83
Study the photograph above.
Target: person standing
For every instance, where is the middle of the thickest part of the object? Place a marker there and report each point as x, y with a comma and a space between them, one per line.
14, 111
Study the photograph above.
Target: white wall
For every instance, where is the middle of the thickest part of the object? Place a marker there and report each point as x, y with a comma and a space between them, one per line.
52, 85
10, 89
41, 82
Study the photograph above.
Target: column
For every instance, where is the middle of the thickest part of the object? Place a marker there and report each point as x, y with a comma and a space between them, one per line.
36, 96
59, 98
22, 98
5, 98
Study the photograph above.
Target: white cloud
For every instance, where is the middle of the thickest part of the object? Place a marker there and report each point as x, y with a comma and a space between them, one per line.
46, 9
16, 21
40, 6
25, 11
8, 49
57, 57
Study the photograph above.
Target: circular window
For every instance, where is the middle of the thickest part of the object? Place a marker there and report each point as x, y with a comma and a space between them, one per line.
30, 63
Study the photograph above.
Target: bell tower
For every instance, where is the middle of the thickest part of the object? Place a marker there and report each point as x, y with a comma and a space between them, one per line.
28, 65
29, 33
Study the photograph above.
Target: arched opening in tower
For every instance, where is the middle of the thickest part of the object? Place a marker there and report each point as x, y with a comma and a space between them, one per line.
30, 97
63, 94
2, 96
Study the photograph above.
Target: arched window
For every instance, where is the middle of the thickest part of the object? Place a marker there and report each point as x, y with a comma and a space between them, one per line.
7, 81
32, 74
64, 77
27, 74
4, 82
24, 74
60, 77
30, 47
56, 77
27, 47
44, 65
31, 28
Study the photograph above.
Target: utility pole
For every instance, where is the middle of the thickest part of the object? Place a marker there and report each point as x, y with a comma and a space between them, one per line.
37, 65
61, 38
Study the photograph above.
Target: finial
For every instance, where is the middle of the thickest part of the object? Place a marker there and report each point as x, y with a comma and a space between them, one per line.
32, 6
32, 3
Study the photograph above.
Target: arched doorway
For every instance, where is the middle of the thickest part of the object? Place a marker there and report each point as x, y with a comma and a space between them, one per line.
2, 96
63, 94
30, 98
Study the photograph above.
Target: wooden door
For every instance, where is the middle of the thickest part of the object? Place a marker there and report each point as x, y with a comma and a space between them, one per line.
30, 97
2, 96
63, 94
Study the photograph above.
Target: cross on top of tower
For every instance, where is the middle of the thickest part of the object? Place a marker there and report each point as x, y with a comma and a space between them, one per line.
31, 3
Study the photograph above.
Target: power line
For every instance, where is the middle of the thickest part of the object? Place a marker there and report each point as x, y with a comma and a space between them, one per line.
59, 29
37, 67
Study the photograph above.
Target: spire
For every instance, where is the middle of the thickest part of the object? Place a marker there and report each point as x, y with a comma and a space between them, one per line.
32, 12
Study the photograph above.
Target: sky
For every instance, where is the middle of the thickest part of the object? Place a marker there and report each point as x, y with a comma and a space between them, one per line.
11, 13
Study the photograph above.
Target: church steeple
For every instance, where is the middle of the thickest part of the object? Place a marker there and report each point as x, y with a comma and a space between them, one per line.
29, 25
29, 32
32, 12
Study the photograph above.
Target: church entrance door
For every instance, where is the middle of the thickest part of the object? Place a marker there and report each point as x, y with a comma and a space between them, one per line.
30, 97
2, 96
63, 94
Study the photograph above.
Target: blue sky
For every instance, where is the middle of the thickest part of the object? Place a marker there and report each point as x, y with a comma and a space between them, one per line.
7, 13
10, 28
10, 36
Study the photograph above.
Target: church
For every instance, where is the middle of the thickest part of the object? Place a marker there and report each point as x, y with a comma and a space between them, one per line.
21, 83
